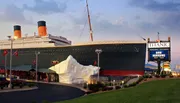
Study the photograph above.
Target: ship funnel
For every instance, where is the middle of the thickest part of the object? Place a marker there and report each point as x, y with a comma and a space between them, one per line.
17, 31
42, 28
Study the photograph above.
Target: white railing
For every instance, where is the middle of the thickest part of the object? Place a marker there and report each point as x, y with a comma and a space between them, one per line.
28, 45
111, 42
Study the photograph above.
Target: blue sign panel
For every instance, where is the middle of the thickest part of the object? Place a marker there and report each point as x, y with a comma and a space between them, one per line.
159, 54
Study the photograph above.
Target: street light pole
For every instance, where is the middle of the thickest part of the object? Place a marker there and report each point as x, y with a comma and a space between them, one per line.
11, 39
98, 51
37, 53
10, 82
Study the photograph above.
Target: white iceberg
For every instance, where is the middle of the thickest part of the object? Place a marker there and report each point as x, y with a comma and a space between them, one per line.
70, 71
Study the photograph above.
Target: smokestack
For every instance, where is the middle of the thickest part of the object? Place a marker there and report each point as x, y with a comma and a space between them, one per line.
17, 31
42, 28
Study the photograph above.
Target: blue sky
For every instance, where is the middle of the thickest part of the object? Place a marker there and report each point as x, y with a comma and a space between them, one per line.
111, 19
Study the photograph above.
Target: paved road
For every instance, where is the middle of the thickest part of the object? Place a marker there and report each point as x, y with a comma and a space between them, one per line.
47, 92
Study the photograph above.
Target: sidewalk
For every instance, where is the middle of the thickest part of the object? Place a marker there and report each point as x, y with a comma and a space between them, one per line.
132, 81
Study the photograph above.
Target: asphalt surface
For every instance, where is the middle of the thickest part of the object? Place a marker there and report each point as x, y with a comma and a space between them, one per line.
49, 92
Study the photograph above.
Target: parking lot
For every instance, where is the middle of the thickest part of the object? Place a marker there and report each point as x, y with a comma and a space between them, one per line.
47, 92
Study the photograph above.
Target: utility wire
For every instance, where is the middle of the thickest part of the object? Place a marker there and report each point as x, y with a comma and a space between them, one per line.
83, 29
81, 32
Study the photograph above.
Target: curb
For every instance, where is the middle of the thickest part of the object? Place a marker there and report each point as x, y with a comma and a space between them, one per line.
16, 90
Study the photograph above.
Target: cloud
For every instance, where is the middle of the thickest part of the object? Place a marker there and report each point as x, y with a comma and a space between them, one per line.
167, 14
12, 13
170, 20
154, 5
101, 24
46, 7
149, 27
137, 17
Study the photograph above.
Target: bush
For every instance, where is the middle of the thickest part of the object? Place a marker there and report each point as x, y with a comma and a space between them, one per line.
133, 84
125, 86
150, 76
45, 101
145, 79
157, 76
107, 88
139, 80
146, 76
85, 86
117, 87
171, 76
96, 87
163, 75
2, 87
31, 84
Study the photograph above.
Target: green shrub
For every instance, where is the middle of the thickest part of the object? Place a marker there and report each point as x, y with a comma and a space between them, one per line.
85, 86
133, 84
145, 79
34, 102
96, 87
125, 86
163, 75
45, 101
117, 87
150, 76
157, 76
139, 80
146, 76
31, 84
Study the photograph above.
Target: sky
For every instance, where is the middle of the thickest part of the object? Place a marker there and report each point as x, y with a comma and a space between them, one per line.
111, 19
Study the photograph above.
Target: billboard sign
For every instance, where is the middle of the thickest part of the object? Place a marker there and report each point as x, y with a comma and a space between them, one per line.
177, 66
159, 45
159, 54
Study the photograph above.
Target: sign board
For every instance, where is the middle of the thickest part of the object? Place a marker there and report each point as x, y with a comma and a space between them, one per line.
159, 45
156, 54
177, 66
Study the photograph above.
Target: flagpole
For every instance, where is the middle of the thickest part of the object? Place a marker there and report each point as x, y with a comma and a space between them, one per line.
10, 84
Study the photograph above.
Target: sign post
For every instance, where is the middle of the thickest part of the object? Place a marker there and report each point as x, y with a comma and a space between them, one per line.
159, 51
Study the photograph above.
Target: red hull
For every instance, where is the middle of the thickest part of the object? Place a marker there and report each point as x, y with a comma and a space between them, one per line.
121, 72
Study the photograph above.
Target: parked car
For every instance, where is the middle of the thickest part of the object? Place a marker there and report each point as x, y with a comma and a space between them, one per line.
3, 82
17, 82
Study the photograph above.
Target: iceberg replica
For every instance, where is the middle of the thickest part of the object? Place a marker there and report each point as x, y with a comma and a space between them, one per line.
71, 72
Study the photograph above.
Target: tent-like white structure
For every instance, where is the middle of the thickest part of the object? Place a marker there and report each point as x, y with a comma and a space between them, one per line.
70, 71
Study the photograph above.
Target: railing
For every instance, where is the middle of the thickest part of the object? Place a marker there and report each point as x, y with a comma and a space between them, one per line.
112, 42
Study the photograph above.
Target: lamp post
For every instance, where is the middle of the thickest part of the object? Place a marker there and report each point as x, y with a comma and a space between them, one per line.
37, 53
11, 39
98, 51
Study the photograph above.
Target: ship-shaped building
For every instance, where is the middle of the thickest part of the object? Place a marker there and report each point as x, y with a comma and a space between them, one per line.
117, 58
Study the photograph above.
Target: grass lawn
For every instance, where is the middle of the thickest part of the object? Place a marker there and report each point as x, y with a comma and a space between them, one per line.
162, 91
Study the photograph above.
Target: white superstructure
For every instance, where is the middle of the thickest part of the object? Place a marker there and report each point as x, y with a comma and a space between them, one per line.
35, 42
